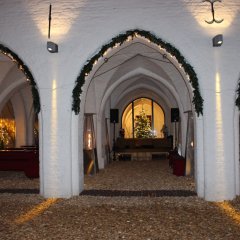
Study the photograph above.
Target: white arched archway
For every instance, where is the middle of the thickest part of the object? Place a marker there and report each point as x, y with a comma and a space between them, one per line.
18, 93
115, 85
18, 86
4, 96
175, 82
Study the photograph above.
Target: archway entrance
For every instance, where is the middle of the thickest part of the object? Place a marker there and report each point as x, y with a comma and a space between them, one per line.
19, 108
139, 68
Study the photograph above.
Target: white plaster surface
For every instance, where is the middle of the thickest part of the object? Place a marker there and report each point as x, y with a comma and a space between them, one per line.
80, 28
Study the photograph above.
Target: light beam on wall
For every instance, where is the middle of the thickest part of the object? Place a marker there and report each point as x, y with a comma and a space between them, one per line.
219, 145
54, 116
53, 163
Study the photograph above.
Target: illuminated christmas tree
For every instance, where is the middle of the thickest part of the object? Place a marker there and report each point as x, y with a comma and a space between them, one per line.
3, 137
143, 126
7, 133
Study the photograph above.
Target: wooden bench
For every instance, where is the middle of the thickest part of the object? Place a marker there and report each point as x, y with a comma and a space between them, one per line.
20, 160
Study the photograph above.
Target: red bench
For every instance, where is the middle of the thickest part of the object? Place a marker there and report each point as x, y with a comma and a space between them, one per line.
20, 160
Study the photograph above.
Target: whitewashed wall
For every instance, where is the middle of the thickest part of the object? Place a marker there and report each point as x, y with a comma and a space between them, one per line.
80, 28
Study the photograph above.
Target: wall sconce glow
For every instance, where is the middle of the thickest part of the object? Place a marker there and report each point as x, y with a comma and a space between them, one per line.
217, 40
61, 23
201, 12
219, 144
54, 124
52, 47
218, 83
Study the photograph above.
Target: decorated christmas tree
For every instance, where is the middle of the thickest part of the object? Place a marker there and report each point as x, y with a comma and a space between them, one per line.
7, 133
3, 137
143, 126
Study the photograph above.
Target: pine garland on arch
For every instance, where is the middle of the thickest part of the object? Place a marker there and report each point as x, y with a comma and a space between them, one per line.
237, 101
120, 39
14, 57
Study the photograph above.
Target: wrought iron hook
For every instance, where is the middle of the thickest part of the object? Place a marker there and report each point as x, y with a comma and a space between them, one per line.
213, 12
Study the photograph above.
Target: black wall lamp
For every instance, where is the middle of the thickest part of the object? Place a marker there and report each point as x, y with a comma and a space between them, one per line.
217, 40
51, 46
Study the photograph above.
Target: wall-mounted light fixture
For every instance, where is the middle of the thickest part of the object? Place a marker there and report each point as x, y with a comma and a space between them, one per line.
51, 46
217, 40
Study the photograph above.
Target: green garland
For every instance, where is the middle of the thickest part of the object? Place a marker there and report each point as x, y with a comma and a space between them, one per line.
120, 39
237, 102
36, 100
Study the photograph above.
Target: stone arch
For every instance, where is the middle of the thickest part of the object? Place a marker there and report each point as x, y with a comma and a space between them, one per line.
8, 91
127, 36
18, 86
88, 71
21, 66
126, 78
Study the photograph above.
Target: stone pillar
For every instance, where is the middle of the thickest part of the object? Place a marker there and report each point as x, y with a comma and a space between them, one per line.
199, 157
59, 151
219, 159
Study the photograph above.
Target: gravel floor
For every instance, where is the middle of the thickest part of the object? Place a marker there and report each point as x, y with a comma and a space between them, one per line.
29, 216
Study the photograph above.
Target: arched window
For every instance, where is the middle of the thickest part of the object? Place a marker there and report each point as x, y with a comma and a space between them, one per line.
135, 110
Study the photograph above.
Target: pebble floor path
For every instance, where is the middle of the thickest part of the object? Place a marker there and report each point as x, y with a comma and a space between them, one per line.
134, 208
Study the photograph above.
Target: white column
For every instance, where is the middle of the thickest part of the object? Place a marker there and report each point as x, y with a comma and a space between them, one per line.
56, 142
219, 157
199, 156
77, 154
99, 140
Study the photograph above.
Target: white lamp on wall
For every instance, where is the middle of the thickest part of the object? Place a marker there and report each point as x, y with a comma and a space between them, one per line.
217, 40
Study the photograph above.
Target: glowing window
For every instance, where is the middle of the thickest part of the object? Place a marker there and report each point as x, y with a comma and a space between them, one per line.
135, 109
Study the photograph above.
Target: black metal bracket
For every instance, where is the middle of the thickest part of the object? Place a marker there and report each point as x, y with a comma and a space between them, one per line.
213, 12
49, 20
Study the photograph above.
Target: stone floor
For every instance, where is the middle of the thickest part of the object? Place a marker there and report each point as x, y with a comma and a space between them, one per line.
26, 215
